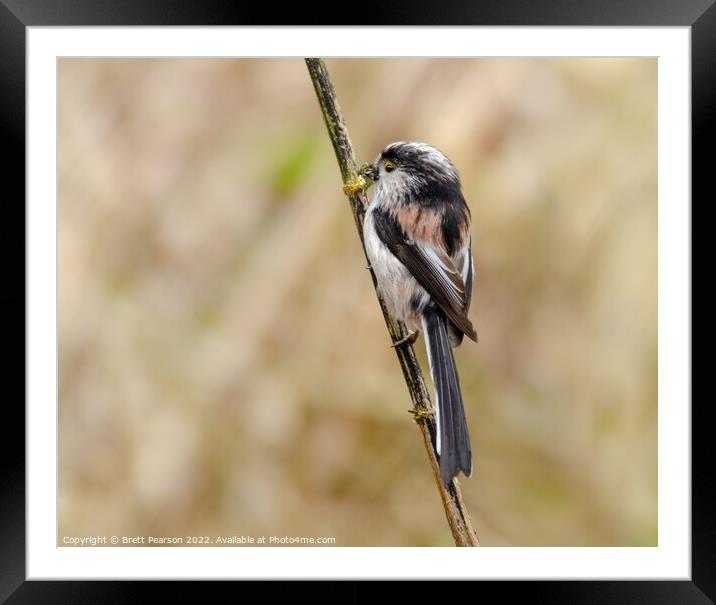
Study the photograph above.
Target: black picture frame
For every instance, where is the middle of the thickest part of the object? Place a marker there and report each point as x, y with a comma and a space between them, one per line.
17, 15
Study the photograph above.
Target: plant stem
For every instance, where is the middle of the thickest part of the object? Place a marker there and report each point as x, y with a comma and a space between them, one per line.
457, 516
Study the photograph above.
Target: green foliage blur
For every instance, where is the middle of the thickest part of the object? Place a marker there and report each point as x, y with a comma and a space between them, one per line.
224, 366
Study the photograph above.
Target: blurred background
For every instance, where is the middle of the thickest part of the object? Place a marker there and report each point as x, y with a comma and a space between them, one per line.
224, 365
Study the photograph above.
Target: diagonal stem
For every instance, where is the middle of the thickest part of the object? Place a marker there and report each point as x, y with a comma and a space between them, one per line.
457, 516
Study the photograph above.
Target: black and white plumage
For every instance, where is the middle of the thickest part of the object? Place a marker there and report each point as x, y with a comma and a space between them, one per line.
417, 237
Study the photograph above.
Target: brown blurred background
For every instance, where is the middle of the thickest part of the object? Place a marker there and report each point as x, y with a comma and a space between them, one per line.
224, 366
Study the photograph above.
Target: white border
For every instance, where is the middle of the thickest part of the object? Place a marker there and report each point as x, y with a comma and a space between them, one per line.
671, 559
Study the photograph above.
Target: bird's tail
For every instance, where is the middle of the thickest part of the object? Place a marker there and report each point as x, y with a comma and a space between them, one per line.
452, 439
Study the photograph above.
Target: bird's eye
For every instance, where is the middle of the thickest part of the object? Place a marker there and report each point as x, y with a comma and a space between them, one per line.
389, 166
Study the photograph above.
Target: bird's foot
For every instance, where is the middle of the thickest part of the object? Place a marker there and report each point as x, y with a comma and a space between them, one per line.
407, 340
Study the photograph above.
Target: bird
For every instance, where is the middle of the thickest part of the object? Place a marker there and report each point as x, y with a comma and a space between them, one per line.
417, 234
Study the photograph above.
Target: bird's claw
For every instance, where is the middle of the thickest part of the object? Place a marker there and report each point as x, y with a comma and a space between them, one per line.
409, 339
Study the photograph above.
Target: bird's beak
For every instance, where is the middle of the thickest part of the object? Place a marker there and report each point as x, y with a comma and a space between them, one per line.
369, 171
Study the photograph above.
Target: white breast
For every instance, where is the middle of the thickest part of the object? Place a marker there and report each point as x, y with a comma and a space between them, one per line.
395, 282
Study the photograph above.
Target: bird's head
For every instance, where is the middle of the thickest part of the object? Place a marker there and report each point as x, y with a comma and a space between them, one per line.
411, 166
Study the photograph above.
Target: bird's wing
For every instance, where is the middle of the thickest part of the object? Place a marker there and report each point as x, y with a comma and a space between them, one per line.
430, 265
468, 275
